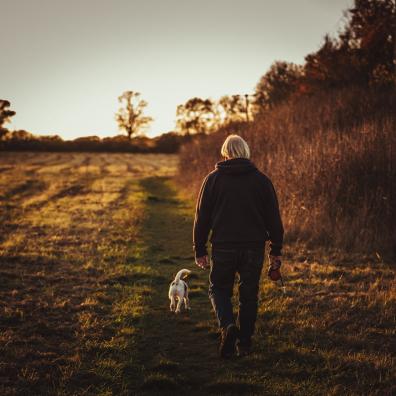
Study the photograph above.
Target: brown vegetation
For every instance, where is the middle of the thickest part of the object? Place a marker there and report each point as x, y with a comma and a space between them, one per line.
325, 134
336, 185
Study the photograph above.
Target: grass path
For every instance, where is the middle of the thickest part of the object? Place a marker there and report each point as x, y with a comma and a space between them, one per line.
178, 349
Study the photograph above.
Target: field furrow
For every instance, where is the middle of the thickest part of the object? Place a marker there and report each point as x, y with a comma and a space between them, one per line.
67, 234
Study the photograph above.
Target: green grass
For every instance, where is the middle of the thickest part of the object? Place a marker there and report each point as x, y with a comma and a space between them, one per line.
84, 306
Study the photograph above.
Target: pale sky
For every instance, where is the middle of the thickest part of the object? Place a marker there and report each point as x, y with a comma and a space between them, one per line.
65, 62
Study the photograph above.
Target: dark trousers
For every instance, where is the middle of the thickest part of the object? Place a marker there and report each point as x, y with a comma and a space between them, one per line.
247, 263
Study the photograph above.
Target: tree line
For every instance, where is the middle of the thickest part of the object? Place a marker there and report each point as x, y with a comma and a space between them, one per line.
363, 55
130, 118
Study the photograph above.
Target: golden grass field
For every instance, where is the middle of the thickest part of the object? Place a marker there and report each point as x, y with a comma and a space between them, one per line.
88, 246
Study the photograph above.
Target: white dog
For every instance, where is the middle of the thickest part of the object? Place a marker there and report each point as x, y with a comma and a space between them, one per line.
178, 290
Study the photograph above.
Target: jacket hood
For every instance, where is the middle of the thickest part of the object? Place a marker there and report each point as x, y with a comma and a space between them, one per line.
235, 166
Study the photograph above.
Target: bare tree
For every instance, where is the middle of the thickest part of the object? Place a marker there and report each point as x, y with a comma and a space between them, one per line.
130, 115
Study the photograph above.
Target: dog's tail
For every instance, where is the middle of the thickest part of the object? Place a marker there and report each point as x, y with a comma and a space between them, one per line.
180, 275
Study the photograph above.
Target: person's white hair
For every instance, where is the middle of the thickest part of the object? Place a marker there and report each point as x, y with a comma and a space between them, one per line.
235, 147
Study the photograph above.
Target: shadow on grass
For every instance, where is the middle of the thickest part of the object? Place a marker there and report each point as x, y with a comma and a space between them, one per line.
38, 323
170, 350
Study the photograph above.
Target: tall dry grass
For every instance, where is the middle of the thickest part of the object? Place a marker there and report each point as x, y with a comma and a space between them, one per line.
332, 159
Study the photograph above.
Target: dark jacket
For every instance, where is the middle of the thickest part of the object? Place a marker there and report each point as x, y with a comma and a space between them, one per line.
239, 204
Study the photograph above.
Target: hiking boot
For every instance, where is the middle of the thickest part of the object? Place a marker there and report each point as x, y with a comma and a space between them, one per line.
228, 340
243, 349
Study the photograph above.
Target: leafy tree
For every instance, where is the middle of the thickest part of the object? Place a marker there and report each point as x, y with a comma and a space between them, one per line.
278, 83
371, 33
5, 115
364, 52
329, 67
22, 135
196, 116
130, 116
234, 108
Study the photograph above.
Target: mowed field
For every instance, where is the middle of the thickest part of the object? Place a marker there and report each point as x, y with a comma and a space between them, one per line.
88, 246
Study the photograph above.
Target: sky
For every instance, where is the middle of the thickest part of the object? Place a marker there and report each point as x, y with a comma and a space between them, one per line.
64, 63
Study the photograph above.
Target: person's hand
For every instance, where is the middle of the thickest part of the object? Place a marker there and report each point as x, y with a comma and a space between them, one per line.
275, 262
202, 262
274, 267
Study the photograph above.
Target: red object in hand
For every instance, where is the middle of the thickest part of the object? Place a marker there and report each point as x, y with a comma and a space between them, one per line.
274, 268
274, 274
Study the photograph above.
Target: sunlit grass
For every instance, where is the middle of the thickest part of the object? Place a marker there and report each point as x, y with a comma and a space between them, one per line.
84, 306
70, 294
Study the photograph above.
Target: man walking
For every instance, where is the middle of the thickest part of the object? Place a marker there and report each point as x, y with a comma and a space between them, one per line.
238, 204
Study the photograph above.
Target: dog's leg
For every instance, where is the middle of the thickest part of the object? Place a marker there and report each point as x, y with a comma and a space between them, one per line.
187, 301
172, 304
179, 303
